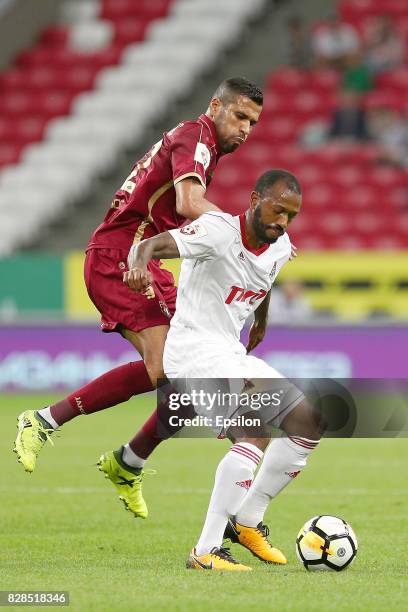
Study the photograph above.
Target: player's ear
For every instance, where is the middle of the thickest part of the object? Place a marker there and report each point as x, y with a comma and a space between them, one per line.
215, 106
255, 198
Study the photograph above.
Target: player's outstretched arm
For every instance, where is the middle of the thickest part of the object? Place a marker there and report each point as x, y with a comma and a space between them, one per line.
138, 277
258, 327
190, 200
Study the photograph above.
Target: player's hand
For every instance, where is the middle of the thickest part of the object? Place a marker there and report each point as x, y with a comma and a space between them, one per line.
293, 252
256, 335
140, 280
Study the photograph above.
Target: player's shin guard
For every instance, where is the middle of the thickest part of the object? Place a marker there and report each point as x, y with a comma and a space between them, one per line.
284, 458
232, 480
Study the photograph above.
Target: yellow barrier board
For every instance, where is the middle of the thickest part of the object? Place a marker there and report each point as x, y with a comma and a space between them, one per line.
352, 285
78, 305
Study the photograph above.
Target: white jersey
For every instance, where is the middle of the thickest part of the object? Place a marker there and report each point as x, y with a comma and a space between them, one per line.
222, 281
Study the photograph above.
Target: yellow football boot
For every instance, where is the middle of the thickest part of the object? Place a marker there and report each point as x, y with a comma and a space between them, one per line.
32, 434
255, 539
219, 559
127, 481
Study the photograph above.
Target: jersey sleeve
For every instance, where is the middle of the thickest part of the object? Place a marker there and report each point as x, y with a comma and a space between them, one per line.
189, 156
207, 237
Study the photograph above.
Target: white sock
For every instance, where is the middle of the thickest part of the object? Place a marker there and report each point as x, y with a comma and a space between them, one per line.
232, 480
283, 460
45, 413
130, 458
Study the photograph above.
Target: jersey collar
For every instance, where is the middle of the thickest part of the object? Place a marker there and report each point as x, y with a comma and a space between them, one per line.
256, 252
211, 126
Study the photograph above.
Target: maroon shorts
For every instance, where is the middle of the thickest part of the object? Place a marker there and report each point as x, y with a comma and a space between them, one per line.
120, 306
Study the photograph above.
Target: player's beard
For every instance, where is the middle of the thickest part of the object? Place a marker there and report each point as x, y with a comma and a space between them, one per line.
260, 228
229, 147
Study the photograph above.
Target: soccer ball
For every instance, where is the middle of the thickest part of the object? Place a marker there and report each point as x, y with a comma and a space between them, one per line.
326, 543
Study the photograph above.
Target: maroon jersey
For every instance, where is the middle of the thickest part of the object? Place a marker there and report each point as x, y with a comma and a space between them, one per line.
145, 205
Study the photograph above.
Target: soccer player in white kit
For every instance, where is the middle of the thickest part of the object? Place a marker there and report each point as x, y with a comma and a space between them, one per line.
230, 263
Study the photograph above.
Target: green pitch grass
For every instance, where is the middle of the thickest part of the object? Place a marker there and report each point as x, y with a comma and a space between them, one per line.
62, 528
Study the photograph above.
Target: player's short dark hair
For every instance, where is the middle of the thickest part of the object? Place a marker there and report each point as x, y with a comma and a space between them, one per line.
229, 89
269, 178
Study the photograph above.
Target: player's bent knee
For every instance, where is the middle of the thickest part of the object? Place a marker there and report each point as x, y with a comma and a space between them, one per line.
237, 437
305, 420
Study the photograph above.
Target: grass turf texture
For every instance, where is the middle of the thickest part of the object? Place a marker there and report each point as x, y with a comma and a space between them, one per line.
62, 528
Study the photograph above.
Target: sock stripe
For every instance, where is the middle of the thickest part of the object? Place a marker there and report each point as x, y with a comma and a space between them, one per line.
299, 443
239, 452
245, 453
256, 455
304, 442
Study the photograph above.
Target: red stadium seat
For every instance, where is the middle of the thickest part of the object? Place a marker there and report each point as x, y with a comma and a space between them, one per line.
286, 79
63, 58
130, 30
28, 129
16, 104
334, 223
384, 98
323, 80
387, 177
308, 174
359, 8
347, 242
320, 195
7, 128
361, 196
393, 80
291, 155
403, 26
397, 197
369, 224
333, 153
395, 8
345, 175
231, 175
9, 153
309, 242
255, 151
310, 103
111, 9
55, 36
274, 102
42, 103
12, 79
362, 154
279, 130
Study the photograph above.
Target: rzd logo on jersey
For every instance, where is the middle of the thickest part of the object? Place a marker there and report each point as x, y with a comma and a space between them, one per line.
193, 231
188, 230
244, 295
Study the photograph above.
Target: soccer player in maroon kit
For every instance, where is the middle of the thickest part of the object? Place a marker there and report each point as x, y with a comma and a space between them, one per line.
166, 187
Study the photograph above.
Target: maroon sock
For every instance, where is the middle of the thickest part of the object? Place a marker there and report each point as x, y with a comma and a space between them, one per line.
157, 428
146, 439
114, 387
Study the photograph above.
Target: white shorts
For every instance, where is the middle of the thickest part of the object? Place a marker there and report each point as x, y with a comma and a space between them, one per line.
220, 373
